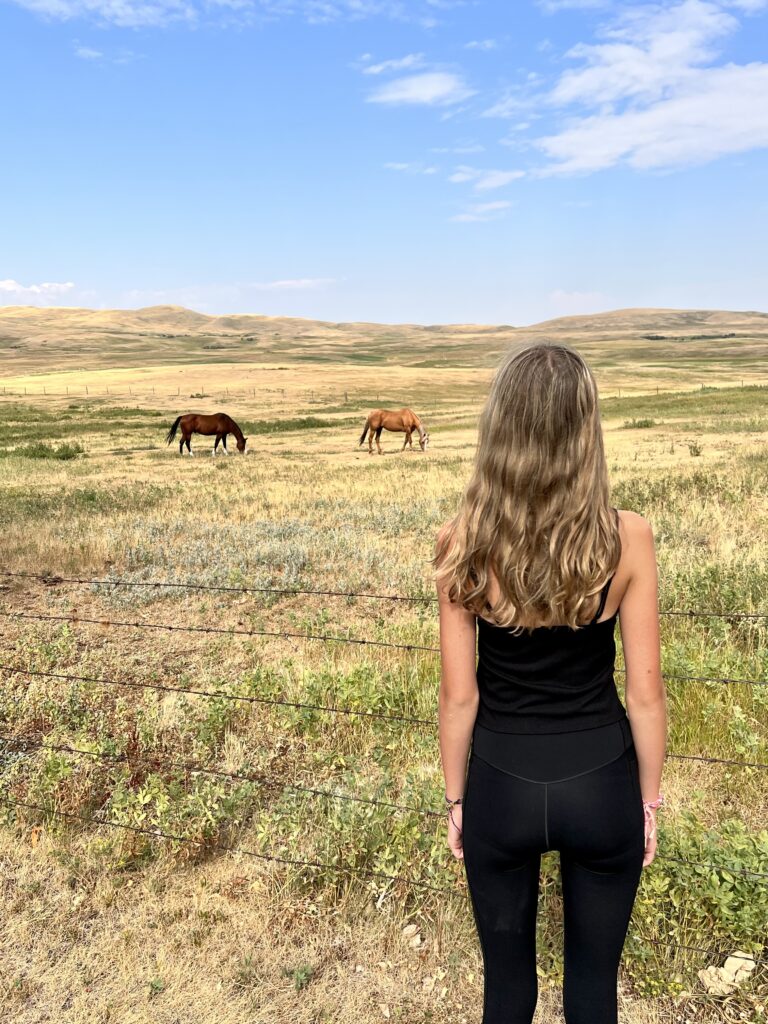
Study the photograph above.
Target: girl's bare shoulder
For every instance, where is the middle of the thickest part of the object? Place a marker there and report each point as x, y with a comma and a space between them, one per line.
633, 524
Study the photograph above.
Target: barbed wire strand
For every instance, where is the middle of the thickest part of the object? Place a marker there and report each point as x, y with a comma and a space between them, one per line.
272, 701
228, 848
52, 579
306, 864
245, 698
158, 756
328, 638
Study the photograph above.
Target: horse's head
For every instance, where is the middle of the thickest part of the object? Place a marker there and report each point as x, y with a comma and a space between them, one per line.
424, 440
241, 445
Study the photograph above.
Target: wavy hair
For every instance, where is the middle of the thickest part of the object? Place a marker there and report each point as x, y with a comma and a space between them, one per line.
535, 514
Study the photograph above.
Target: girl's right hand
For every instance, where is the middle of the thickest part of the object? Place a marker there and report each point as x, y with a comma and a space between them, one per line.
651, 837
455, 835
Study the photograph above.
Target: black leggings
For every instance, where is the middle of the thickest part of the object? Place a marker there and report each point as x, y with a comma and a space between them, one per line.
595, 821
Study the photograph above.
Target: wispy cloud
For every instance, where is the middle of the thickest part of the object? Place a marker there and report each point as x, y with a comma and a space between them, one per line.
14, 293
157, 13
432, 88
293, 284
722, 112
484, 180
460, 148
650, 94
411, 168
481, 44
554, 6
411, 60
121, 13
484, 211
87, 53
94, 56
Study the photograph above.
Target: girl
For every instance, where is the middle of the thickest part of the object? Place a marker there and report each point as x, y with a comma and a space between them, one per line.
534, 570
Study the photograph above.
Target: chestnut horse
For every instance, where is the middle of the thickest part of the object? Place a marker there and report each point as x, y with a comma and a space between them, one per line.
401, 421
219, 424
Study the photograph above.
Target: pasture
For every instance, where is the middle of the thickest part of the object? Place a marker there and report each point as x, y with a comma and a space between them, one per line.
110, 923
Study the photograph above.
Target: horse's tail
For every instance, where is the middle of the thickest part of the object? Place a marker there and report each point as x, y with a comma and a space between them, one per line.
172, 431
365, 431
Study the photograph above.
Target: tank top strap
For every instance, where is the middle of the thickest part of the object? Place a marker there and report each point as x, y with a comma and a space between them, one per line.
603, 598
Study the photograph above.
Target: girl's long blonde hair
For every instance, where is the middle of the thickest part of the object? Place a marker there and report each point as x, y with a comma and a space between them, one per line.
535, 514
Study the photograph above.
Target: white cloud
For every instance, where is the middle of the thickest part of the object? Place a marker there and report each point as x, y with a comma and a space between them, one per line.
122, 13
648, 52
649, 92
483, 211
460, 149
484, 180
12, 293
292, 284
411, 168
720, 112
87, 53
411, 60
554, 6
571, 303
156, 13
481, 44
433, 88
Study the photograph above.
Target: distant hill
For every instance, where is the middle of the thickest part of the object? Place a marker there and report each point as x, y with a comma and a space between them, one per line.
34, 339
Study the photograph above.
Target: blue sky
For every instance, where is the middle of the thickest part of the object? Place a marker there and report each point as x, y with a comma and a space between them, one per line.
429, 161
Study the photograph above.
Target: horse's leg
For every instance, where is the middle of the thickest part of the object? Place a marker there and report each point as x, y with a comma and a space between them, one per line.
215, 445
181, 446
370, 442
405, 441
189, 446
378, 442
224, 442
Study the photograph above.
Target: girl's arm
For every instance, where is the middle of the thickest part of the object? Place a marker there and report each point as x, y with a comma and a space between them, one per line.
644, 695
457, 704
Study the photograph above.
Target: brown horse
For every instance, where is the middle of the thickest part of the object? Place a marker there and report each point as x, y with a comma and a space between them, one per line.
401, 421
219, 424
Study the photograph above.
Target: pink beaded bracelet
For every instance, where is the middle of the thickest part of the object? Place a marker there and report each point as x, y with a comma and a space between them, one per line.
648, 806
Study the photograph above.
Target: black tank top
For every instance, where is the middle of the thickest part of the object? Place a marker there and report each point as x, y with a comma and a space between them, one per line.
552, 679
548, 708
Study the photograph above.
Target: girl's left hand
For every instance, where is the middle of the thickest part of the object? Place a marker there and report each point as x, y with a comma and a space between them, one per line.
455, 834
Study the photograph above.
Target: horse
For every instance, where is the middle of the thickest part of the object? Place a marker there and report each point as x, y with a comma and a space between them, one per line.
219, 424
400, 420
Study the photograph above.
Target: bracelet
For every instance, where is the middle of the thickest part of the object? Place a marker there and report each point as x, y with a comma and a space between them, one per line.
450, 818
648, 807
453, 803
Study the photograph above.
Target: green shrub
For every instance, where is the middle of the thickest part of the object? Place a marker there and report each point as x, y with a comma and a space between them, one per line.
41, 450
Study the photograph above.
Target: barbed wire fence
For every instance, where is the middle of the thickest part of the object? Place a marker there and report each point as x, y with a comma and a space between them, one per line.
26, 745
198, 390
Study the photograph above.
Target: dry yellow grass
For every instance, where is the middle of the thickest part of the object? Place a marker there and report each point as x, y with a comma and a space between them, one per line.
173, 940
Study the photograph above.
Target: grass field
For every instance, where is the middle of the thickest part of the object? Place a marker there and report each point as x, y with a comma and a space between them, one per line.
108, 924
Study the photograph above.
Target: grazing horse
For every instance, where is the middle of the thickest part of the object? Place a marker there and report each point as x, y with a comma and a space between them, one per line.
219, 424
400, 420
